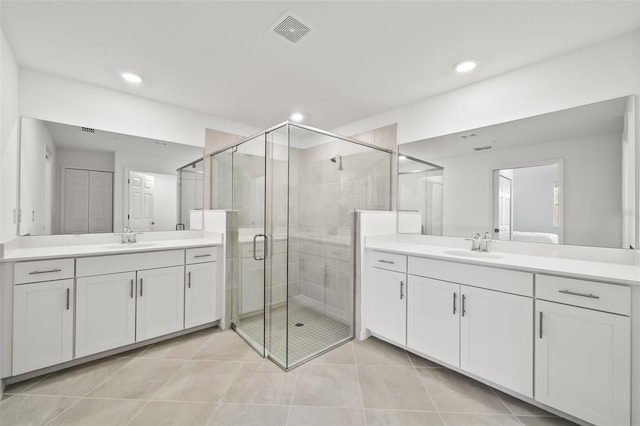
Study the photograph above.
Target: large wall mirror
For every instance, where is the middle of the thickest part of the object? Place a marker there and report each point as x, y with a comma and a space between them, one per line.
567, 177
78, 180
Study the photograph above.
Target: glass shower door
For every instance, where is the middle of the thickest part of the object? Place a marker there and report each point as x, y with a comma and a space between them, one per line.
248, 202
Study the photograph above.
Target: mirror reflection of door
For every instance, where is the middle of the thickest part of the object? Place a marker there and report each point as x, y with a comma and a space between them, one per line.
141, 201
87, 201
504, 208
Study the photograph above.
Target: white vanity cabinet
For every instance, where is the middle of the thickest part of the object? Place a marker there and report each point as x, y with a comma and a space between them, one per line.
42, 324
495, 337
200, 292
105, 313
433, 318
386, 300
583, 347
160, 298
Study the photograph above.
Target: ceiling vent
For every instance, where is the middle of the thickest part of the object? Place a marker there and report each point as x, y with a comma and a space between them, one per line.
482, 148
88, 129
291, 27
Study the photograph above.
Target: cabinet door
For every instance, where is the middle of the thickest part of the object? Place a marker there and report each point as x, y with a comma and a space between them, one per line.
386, 304
160, 302
433, 319
495, 337
200, 295
42, 325
583, 362
106, 312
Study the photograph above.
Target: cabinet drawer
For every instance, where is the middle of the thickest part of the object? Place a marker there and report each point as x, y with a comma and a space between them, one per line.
43, 270
389, 261
201, 255
587, 294
100, 265
515, 282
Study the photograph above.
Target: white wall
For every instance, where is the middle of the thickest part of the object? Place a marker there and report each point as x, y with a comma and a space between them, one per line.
54, 98
37, 178
591, 170
599, 72
90, 160
9, 130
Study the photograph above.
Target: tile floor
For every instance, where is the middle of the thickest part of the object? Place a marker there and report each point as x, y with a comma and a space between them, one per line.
213, 378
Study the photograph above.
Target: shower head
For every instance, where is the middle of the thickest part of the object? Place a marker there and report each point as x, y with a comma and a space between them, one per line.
337, 158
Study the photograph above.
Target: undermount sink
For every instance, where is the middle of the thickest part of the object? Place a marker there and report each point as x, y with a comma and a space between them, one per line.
476, 254
129, 245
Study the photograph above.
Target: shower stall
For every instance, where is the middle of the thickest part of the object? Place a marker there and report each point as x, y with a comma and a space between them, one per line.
190, 190
292, 191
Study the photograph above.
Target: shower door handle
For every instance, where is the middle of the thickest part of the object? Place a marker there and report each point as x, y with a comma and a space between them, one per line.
266, 240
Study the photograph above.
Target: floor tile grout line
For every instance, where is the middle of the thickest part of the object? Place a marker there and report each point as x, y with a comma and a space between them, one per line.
44, 376
220, 402
293, 394
90, 390
356, 365
426, 389
186, 361
501, 400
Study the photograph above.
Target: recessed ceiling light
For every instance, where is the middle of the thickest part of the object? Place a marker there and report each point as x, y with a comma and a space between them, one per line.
296, 116
131, 77
466, 66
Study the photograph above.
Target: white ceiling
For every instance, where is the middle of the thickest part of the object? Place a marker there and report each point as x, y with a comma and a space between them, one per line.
601, 118
72, 137
362, 58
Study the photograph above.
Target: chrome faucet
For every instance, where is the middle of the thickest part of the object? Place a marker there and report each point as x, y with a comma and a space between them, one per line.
485, 244
476, 242
128, 236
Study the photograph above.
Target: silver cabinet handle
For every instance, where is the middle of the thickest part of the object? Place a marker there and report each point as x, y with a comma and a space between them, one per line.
540, 330
202, 255
455, 296
140, 287
131, 291
589, 295
464, 310
189, 279
45, 272
390, 262
68, 296
401, 289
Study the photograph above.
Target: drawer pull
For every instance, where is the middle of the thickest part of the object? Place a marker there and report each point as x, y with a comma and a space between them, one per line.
202, 255
390, 262
45, 272
140, 287
589, 295
401, 288
455, 296
131, 291
464, 310
540, 330
189, 279
68, 295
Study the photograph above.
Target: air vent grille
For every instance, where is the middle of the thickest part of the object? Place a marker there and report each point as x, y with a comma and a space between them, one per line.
291, 28
88, 129
467, 136
482, 148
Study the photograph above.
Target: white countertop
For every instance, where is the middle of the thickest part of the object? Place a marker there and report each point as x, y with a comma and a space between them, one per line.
52, 252
600, 271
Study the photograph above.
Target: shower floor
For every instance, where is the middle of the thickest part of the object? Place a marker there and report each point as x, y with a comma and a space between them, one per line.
319, 332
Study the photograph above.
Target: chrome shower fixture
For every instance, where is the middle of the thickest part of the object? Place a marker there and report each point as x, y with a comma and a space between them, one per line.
337, 158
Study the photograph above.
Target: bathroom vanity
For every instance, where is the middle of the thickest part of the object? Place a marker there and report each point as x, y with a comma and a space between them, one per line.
552, 331
68, 304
